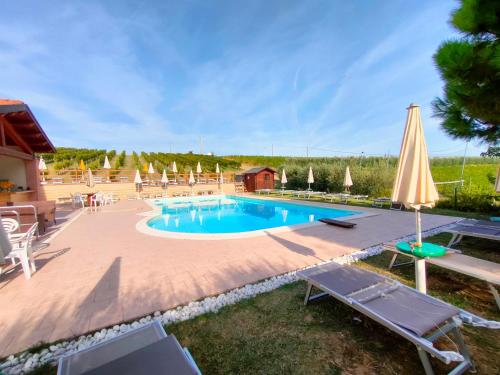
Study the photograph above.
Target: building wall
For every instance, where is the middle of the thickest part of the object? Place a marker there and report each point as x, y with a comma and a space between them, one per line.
264, 180
13, 170
123, 190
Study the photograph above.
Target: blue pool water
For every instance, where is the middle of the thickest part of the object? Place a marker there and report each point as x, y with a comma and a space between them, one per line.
230, 214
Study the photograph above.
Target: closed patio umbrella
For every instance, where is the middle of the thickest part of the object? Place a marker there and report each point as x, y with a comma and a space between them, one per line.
310, 178
43, 167
151, 170
83, 168
347, 179
414, 186
174, 169
107, 166
217, 170
191, 180
198, 170
221, 181
5, 246
90, 178
138, 181
164, 179
283, 179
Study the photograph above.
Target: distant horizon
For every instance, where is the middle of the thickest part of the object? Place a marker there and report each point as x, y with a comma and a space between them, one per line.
247, 77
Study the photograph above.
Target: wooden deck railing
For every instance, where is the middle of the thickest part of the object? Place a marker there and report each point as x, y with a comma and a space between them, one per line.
76, 176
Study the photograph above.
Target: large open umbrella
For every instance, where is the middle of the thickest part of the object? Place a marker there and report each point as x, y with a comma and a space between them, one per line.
198, 170
174, 169
107, 166
43, 167
414, 187
191, 180
310, 178
347, 179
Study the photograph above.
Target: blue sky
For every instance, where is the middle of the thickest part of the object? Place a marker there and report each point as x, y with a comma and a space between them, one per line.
243, 75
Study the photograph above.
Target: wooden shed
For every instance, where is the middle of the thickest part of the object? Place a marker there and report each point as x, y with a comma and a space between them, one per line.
259, 178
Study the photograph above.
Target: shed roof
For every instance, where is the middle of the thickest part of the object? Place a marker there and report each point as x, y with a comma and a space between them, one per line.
258, 170
21, 120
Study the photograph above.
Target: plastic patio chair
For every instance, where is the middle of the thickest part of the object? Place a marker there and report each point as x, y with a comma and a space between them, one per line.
77, 199
22, 249
10, 225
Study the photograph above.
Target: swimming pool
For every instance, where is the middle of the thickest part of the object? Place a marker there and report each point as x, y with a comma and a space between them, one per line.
230, 214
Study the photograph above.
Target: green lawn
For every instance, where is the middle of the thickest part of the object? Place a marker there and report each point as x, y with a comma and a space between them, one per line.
275, 333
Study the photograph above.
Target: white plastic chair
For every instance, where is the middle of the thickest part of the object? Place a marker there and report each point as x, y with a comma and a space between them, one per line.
11, 226
22, 249
96, 200
77, 199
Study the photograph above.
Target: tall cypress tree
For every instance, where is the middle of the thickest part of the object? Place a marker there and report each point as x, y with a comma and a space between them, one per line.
470, 68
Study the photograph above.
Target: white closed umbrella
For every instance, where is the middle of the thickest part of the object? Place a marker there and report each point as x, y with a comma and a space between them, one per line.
106, 163
198, 170
138, 181
217, 170
164, 179
43, 167
174, 169
107, 166
221, 181
191, 180
347, 179
497, 182
151, 170
90, 179
413, 185
310, 178
283, 179
137, 178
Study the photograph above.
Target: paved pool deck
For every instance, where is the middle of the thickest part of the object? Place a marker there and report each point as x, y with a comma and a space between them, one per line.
98, 270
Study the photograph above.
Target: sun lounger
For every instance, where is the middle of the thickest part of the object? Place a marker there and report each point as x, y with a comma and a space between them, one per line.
341, 197
484, 270
415, 316
379, 202
473, 229
145, 350
263, 191
338, 223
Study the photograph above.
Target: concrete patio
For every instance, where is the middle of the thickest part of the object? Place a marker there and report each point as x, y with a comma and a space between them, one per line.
99, 270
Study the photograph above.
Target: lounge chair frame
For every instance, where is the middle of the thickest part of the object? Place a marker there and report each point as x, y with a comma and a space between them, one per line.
424, 344
490, 283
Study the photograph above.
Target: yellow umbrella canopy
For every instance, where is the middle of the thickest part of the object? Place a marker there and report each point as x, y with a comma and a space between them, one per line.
347, 179
414, 186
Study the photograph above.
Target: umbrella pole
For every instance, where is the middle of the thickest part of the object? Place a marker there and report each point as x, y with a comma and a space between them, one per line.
420, 273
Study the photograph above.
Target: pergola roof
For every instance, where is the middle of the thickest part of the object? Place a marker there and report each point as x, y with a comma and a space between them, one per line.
22, 128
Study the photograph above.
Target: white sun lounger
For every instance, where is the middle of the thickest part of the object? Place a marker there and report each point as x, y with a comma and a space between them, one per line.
417, 317
474, 228
481, 269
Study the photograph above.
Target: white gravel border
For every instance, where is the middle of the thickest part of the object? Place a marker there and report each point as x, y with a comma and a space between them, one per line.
25, 362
